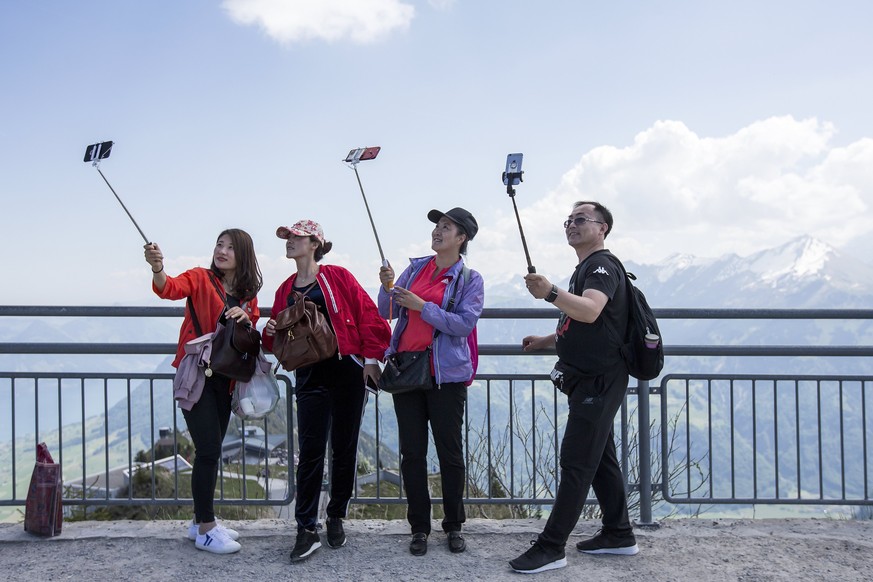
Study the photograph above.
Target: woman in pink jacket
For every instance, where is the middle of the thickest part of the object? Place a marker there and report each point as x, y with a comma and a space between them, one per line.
331, 394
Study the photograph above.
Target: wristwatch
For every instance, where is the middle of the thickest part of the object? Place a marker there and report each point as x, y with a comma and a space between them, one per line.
553, 294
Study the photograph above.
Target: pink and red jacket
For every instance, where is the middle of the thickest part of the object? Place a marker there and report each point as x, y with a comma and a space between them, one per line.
359, 328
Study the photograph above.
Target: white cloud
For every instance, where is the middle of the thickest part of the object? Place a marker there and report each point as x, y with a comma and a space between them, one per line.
442, 4
289, 21
672, 191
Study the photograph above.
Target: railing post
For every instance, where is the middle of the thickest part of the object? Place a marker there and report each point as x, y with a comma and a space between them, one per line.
645, 456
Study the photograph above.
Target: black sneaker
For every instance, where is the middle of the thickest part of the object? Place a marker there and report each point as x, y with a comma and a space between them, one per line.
538, 559
456, 542
418, 545
608, 543
336, 537
307, 543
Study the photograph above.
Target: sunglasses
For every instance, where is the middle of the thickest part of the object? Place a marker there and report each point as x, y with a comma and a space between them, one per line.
580, 220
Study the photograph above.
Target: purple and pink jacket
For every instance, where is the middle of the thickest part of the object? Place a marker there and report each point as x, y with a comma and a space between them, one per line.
452, 358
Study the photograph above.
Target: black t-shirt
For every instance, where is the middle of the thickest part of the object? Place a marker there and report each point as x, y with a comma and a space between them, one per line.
590, 348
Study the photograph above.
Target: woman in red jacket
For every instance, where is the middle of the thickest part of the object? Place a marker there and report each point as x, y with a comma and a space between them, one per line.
227, 290
331, 395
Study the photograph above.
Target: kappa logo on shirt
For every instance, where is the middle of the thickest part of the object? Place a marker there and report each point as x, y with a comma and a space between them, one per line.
600, 271
445, 281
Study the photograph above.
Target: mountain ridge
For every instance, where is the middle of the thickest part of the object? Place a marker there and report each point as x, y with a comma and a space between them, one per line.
801, 273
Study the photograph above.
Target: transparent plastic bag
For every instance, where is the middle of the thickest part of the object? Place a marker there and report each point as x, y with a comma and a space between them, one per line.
255, 399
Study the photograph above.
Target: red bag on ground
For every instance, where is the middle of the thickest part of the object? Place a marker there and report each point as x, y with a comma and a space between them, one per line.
43, 514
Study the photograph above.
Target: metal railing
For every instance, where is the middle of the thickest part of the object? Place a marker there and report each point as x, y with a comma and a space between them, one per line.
709, 439
96, 445
746, 439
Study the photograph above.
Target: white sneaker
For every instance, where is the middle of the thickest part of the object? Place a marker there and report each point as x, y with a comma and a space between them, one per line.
216, 541
194, 531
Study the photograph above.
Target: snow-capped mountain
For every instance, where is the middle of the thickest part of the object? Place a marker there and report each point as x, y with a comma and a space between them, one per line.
802, 273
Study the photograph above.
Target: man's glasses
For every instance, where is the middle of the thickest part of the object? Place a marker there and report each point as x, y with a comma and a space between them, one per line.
580, 220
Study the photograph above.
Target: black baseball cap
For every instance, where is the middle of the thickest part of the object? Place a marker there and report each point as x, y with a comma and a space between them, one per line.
459, 216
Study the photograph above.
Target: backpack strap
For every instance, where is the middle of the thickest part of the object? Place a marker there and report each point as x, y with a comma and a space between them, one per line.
465, 275
627, 278
629, 296
303, 293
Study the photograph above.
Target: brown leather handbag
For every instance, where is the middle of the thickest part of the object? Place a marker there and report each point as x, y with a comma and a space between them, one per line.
303, 334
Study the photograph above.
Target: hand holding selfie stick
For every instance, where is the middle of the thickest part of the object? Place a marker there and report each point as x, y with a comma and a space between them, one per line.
511, 177
100, 151
361, 155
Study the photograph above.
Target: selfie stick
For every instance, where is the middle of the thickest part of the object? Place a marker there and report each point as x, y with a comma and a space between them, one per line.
100, 151
360, 155
372, 224
509, 178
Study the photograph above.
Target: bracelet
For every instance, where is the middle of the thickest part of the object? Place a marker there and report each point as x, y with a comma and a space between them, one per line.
553, 294
159, 270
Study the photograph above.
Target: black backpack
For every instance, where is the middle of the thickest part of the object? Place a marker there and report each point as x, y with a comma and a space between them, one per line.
643, 363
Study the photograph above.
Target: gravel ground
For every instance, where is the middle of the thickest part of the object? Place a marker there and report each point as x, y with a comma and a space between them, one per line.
710, 550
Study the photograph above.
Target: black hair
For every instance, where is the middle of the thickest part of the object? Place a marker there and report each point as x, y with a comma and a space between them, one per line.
463, 249
322, 249
248, 280
602, 211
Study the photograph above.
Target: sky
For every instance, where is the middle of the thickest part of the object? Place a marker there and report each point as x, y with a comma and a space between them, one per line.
707, 128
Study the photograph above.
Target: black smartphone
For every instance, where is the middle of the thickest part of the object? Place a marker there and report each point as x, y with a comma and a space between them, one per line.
98, 151
513, 169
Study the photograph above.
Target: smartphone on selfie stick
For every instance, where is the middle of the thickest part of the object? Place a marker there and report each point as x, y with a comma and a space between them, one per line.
512, 176
361, 155
100, 151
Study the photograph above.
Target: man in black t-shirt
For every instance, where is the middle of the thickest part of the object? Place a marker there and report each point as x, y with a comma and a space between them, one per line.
591, 372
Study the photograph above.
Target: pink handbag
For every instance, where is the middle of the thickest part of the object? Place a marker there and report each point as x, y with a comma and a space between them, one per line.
43, 512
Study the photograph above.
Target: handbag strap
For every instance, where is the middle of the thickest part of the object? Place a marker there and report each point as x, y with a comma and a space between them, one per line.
223, 295
194, 320
193, 313
218, 289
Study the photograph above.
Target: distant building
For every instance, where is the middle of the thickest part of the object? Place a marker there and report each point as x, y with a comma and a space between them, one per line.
254, 447
114, 483
383, 475
165, 437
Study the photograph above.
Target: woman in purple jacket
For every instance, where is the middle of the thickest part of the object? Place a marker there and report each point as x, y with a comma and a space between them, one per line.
437, 301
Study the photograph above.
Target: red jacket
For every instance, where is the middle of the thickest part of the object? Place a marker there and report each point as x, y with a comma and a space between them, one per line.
208, 304
359, 328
